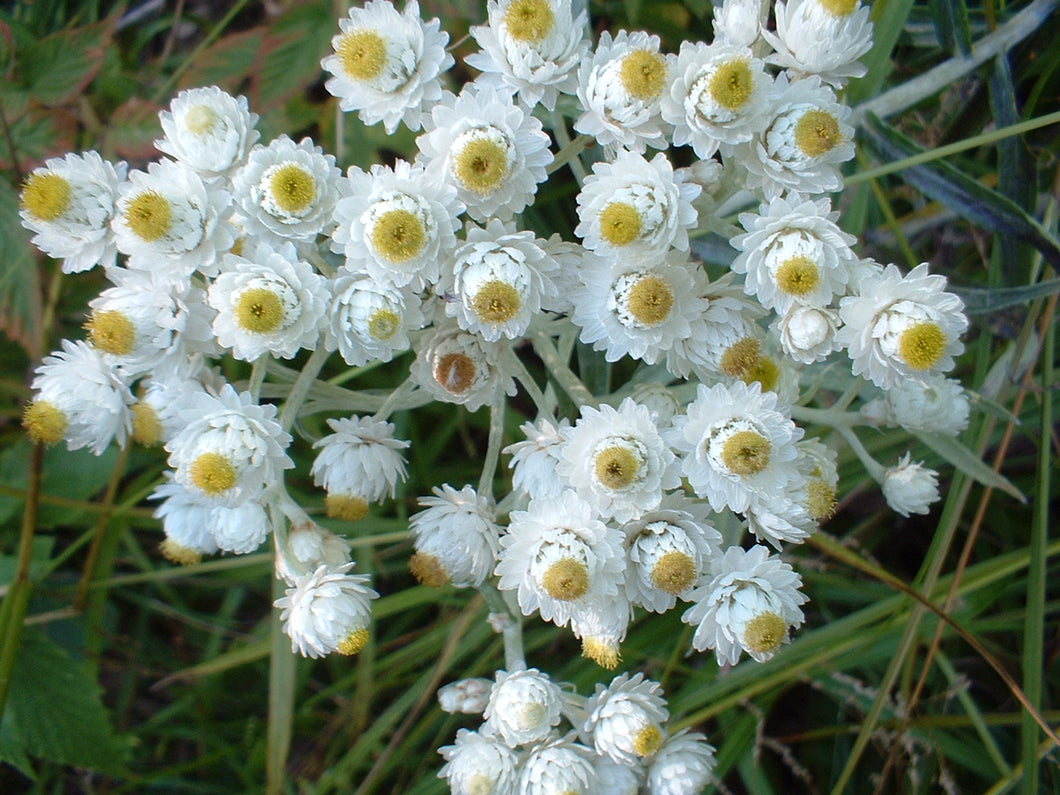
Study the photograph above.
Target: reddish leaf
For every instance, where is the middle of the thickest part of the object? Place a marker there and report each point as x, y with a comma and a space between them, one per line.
227, 63
57, 68
132, 131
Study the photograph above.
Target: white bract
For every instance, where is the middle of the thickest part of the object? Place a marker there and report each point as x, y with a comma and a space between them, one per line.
208, 130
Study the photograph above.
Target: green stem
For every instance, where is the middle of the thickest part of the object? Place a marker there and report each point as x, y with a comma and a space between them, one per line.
558, 369
872, 466
394, 400
300, 388
567, 154
493, 445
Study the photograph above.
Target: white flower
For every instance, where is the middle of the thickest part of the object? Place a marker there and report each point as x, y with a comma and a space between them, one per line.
938, 405
230, 448
386, 65
739, 22
661, 403
636, 305
557, 555
776, 518
357, 464
735, 442
750, 603
534, 47
807, 334
287, 191
560, 766
619, 90
806, 135
720, 95
267, 301
822, 37
239, 528
156, 415
491, 149
458, 367
169, 219
498, 279
523, 706
456, 537
208, 130
793, 252
478, 763
601, 625
534, 461
626, 719
683, 766
368, 320
397, 223
185, 522
901, 328
327, 610
910, 488
635, 205
81, 397
616, 460
616, 779
68, 204
467, 696
308, 546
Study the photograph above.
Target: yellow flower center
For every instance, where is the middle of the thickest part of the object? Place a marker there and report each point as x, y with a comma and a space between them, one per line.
566, 579
455, 372
149, 215
45, 196
602, 652
643, 74
650, 300
673, 573
921, 346
528, 20
620, 223
740, 357
201, 119
839, 8
259, 310
481, 165
44, 422
178, 553
820, 500
616, 467
731, 84
346, 507
480, 784
354, 642
746, 453
383, 324
362, 54
531, 714
647, 741
398, 236
765, 371
797, 275
765, 633
212, 474
817, 132
146, 426
496, 302
112, 332
292, 188
428, 570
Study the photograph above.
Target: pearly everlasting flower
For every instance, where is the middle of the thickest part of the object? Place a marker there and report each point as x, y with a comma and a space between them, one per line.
633, 205
308, 546
719, 95
523, 707
901, 327
616, 779
208, 130
156, 414
793, 253
910, 488
806, 135
68, 204
479, 763
780, 518
368, 320
498, 279
466, 696
268, 300
532, 47
458, 367
386, 65
287, 191
626, 719
601, 626
327, 610
739, 22
185, 522
638, 306
683, 766
619, 91
556, 555
616, 460
807, 334
735, 442
357, 464
660, 401
241, 528
79, 396
168, 219
489, 148
821, 37
535, 460
938, 405
456, 537
396, 223
560, 766
750, 603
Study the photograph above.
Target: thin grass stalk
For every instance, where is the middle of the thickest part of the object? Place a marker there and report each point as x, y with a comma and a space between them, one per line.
282, 667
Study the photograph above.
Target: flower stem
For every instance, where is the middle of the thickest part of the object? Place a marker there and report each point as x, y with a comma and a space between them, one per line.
300, 388
558, 369
872, 466
493, 446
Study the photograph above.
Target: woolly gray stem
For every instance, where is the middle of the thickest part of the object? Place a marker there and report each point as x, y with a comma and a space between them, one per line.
300, 388
872, 466
493, 446
571, 384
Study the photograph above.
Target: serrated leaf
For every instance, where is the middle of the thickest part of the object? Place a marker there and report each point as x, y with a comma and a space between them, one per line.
58, 709
969, 463
57, 68
227, 63
133, 130
20, 299
290, 54
952, 188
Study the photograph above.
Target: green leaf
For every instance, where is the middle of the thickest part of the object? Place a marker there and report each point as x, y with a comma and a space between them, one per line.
981, 300
20, 295
58, 710
133, 130
227, 63
952, 188
57, 68
290, 54
888, 17
968, 462
951, 22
